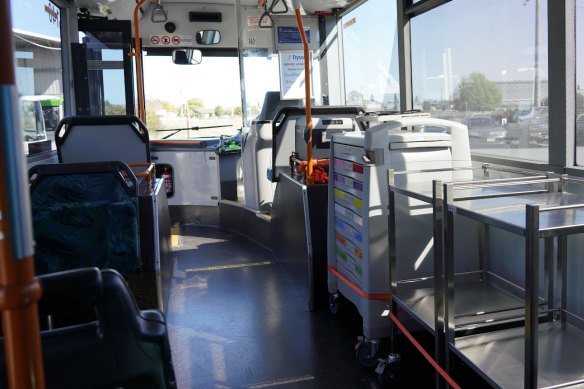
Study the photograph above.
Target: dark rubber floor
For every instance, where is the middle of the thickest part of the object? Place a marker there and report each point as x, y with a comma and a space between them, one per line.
236, 321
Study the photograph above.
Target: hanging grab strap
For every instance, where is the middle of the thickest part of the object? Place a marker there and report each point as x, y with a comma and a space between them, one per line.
266, 20
159, 14
275, 3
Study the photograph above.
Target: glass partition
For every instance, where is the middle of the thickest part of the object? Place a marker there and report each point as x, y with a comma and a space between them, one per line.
370, 57
260, 79
484, 63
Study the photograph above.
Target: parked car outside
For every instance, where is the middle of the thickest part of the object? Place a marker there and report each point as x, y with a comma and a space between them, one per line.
580, 130
538, 127
485, 130
580, 122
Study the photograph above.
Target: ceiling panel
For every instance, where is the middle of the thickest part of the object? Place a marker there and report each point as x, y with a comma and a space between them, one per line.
309, 5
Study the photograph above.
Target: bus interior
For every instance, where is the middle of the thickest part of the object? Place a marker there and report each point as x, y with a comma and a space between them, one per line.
291, 194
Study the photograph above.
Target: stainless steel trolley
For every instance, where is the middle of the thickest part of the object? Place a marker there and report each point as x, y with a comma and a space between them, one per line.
487, 320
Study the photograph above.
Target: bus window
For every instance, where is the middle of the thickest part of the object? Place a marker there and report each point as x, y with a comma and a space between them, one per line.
32, 120
39, 67
192, 101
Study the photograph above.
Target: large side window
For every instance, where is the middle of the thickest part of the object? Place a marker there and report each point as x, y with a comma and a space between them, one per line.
484, 63
580, 83
370, 56
39, 67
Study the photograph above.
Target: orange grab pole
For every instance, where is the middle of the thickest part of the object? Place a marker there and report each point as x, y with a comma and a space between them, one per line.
19, 291
309, 175
138, 55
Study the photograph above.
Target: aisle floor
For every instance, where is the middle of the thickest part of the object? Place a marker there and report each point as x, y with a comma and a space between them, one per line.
236, 321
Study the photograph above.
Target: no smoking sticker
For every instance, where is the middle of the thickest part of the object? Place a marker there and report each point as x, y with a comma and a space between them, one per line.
172, 39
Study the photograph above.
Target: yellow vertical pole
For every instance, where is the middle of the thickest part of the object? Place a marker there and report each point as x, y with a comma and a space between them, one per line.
19, 291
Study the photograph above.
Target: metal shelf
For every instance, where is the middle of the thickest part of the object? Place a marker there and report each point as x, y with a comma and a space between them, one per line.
498, 356
480, 294
536, 354
532, 207
478, 305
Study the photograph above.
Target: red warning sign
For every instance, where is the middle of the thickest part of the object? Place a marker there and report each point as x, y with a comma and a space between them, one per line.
176, 40
165, 40
155, 39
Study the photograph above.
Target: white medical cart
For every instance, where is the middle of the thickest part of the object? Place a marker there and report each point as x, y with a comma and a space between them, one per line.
358, 252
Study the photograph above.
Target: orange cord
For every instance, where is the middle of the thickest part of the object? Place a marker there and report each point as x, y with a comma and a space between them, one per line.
360, 292
387, 297
424, 353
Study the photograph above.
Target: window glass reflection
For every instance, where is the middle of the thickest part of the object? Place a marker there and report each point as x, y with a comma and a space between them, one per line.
371, 56
486, 67
38, 63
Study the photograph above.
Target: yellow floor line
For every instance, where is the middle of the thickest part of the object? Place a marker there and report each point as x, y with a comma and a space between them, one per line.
223, 267
174, 236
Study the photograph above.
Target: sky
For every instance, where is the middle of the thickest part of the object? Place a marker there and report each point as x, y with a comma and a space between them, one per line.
30, 15
494, 37
464, 27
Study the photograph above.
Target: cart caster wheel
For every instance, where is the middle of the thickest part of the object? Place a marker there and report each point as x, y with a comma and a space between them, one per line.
365, 356
335, 303
390, 375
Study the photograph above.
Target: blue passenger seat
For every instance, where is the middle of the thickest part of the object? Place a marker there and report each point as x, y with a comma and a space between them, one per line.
85, 215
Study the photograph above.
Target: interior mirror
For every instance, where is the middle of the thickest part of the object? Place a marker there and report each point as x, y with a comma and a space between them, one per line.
208, 37
187, 56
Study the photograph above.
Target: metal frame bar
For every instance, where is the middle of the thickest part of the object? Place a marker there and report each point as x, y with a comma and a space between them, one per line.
423, 6
562, 278
440, 338
392, 266
404, 56
448, 282
69, 34
562, 82
531, 298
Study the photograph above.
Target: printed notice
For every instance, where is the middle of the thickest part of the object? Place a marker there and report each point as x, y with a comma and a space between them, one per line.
292, 75
253, 23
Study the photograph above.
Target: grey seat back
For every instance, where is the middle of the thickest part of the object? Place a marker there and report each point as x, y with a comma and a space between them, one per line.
102, 138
